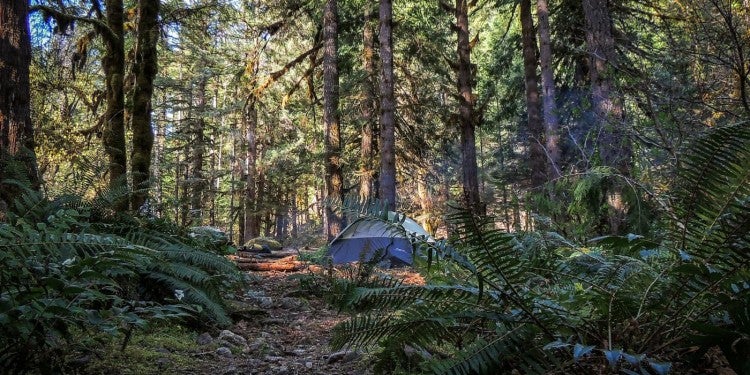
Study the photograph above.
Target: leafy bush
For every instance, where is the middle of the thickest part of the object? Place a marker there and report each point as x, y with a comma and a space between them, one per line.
538, 303
65, 271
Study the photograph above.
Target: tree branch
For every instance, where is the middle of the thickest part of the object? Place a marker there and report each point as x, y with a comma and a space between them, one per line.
100, 25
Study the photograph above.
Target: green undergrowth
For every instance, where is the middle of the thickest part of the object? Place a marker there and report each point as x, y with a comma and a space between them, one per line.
170, 349
672, 301
72, 268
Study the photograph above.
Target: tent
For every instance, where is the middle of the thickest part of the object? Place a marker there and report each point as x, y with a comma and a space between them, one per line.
366, 238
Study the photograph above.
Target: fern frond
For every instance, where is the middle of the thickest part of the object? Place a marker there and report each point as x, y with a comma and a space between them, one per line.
493, 356
194, 295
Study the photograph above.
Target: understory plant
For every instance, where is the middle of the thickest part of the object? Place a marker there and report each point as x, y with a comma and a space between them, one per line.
69, 268
539, 303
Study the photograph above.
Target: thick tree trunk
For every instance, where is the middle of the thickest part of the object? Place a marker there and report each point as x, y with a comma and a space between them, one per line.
549, 105
614, 148
145, 67
466, 109
537, 160
367, 172
387, 177
113, 63
333, 177
16, 131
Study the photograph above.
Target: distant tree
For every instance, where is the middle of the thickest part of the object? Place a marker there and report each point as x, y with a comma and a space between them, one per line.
333, 177
613, 144
387, 177
16, 131
537, 158
549, 104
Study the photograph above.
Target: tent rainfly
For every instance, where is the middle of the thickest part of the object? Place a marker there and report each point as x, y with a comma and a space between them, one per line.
365, 238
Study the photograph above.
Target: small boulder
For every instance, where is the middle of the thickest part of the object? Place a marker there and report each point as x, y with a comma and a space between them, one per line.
231, 338
343, 356
204, 339
256, 346
290, 303
224, 352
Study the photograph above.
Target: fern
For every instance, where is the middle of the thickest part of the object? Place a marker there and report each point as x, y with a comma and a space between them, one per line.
64, 269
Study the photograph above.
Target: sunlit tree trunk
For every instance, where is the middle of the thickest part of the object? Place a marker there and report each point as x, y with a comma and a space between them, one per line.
16, 131
537, 160
466, 109
144, 67
549, 105
367, 172
113, 63
333, 178
387, 177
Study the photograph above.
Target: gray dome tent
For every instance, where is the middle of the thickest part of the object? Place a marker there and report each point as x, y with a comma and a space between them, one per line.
366, 238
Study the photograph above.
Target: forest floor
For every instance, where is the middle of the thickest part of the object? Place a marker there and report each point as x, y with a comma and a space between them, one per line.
283, 325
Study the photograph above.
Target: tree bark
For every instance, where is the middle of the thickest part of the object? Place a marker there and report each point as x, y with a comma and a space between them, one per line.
113, 63
158, 157
466, 109
333, 176
198, 145
549, 105
250, 225
614, 148
387, 177
537, 159
145, 68
367, 172
16, 131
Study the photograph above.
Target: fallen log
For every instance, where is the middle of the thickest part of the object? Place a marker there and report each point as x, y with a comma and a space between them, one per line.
274, 255
271, 266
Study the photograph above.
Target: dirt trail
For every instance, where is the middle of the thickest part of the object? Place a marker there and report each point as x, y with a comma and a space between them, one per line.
286, 328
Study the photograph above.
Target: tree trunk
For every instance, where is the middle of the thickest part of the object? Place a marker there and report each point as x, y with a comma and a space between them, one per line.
466, 109
614, 148
250, 222
387, 177
197, 170
113, 63
333, 177
145, 67
549, 105
158, 160
537, 160
369, 121
16, 131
